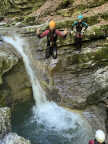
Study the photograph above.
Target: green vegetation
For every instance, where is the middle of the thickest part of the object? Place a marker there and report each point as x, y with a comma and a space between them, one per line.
65, 4
20, 7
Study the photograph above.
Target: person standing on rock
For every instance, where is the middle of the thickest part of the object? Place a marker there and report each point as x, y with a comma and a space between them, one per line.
79, 27
99, 138
52, 33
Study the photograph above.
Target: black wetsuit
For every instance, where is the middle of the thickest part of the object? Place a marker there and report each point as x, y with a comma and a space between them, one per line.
78, 38
51, 45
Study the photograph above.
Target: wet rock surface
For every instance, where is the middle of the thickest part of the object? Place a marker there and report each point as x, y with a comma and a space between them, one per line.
14, 82
79, 81
96, 116
18, 85
13, 138
76, 77
7, 60
5, 121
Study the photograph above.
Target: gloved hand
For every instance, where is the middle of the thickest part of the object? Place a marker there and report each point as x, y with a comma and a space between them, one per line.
71, 32
65, 31
38, 31
94, 33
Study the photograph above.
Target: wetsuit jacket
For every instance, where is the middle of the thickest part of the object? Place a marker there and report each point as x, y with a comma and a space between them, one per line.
51, 36
47, 32
94, 142
79, 26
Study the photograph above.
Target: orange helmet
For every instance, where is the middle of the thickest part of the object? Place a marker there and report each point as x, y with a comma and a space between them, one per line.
52, 24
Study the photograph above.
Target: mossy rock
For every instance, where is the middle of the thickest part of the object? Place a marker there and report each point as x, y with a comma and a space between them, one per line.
65, 4
19, 7
92, 20
105, 16
96, 4
64, 13
29, 20
87, 60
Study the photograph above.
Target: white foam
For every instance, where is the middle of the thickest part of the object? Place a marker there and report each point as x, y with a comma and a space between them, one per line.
56, 118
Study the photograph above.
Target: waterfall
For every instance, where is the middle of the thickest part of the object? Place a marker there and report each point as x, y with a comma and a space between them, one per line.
22, 47
48, 115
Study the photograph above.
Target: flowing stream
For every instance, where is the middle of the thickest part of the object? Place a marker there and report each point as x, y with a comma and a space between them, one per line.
46, 122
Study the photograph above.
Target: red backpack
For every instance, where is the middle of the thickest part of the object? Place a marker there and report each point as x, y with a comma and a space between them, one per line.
91, 142
94, 142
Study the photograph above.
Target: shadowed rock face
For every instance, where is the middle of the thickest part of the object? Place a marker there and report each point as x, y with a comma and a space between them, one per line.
14, 82
7, 61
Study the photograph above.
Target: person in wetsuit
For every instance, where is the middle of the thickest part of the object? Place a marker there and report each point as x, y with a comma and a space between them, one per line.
80, 26
99, 138
52, 34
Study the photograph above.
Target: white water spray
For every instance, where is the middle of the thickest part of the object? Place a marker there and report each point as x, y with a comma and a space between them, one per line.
22, 48
64, 123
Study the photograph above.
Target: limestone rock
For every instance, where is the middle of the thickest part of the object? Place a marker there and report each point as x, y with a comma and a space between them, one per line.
14, 85
13, 138
101, 77
5, 124
18, 7
7, 61
74, 79
96, 116
18, 84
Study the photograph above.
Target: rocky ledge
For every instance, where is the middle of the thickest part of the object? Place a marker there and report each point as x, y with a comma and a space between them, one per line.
6, 137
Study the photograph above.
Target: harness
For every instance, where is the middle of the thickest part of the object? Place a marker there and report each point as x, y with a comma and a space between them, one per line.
51, 38
79, 26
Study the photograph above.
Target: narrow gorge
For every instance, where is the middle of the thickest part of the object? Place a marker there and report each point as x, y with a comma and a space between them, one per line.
44, 103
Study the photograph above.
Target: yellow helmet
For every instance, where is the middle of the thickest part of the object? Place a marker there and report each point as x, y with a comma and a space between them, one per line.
52, 24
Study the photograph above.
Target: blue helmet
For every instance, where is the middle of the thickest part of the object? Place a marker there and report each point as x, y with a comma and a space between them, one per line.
80, 17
